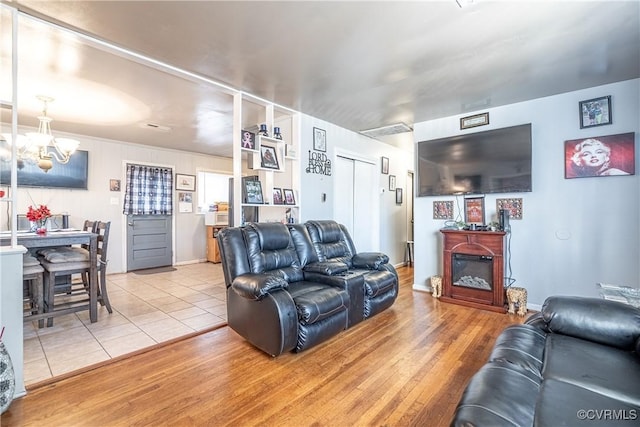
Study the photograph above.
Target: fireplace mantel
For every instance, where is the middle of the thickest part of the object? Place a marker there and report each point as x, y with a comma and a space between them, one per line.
485, 244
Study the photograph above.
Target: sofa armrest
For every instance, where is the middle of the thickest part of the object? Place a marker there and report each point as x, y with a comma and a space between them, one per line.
328, 268
603, 321
257, 286
369, 260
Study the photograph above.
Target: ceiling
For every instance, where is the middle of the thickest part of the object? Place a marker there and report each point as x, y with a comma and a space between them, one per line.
359, 65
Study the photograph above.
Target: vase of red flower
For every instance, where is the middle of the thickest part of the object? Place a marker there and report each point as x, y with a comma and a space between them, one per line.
39, 218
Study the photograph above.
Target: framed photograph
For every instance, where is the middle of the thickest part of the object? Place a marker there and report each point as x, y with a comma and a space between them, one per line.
278, 198
319, 139
443, 210
595, 112
392, 182
248, 140
514, 206
398, 196
289, 198
253, 192
474, 210
114, 184
185, 182
185, 202
385, 165
269, 157
473, 121
600, 156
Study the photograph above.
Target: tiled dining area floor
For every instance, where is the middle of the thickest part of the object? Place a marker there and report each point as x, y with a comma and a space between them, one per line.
147, 309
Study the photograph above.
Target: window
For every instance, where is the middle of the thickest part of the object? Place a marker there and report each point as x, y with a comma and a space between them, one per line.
212, 188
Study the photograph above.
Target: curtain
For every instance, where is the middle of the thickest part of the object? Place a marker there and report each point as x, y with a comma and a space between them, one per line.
148, 191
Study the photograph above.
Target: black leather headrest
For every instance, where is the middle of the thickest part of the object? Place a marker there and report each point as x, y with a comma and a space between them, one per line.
272, 235
328, 230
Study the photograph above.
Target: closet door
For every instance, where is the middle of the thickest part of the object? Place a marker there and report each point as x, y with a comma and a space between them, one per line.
355, 201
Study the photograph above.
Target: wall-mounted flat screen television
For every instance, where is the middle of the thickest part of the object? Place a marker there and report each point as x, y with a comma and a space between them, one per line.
494, 161
73, 174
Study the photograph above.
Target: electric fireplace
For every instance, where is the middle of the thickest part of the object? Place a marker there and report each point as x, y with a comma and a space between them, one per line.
474, 268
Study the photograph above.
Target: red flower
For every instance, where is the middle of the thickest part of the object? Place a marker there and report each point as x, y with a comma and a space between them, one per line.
38, 214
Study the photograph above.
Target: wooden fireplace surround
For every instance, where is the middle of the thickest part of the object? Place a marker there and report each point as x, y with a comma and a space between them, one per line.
487, 243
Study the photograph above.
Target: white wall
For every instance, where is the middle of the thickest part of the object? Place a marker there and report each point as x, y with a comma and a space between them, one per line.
392, 230
106, 161
574, 232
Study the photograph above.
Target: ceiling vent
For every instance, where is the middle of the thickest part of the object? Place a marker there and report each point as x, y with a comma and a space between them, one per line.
386, 130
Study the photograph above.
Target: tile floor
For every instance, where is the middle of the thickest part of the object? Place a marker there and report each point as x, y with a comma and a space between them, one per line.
147, 309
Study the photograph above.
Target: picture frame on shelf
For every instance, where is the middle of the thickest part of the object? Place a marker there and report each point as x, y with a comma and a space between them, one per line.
289, 196
185, 182
384, 165
319, 139
392, 183
398, 196
278, 198
595, 112
290, 151
253, 192
248, 140
269, 157
474, 210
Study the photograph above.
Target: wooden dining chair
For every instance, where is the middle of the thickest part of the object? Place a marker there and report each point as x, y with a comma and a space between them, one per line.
69, 261
33, 289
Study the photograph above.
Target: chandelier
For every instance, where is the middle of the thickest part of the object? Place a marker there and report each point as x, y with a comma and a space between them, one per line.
33, 147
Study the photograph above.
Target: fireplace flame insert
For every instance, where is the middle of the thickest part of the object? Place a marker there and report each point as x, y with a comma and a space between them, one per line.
472, 271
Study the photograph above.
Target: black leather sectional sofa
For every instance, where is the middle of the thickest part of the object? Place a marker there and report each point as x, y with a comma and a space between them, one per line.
290, 287
577, 362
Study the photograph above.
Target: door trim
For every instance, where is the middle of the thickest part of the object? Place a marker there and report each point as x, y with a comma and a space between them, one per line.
124, 216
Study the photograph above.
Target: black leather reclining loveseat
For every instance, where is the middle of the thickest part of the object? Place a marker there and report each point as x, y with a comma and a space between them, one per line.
577, 362
290, 287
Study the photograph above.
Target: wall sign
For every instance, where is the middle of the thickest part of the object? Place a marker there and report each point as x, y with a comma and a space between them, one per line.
319, 163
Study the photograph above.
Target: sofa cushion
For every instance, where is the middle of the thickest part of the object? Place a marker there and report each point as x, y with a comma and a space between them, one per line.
563, 404
522, 345
499, 394
602, 369
378, 282
607, 322
315, 301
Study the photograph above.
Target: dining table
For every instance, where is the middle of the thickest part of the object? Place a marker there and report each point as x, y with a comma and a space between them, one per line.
64, 237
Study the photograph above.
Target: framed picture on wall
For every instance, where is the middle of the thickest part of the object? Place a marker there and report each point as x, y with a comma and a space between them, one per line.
474, 210
443, 209
319, 139
398, 196
611, 155
185, 182
392, 183
514, 206
385, 165
595, 112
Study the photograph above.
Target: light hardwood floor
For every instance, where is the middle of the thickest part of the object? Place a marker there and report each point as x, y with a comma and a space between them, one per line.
407, 366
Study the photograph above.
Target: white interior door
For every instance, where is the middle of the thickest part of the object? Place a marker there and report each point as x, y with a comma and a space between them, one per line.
355, 201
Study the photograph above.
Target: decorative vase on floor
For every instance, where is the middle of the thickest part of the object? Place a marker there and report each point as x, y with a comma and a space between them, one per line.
7, 379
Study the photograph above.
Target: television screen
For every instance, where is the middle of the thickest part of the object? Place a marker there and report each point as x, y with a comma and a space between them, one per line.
494, 161
70, 175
